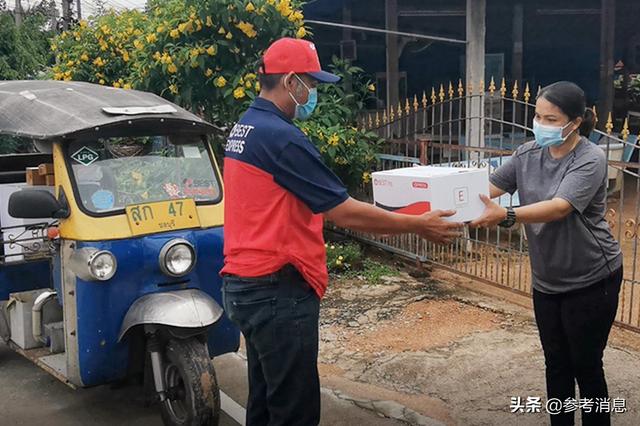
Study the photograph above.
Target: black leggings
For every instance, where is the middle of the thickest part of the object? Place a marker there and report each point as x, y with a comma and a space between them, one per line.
574, 328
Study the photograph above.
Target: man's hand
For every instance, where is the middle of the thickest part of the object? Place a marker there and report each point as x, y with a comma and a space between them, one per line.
493, 214
433, 227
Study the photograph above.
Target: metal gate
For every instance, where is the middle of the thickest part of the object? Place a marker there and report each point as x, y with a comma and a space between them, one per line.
435, 129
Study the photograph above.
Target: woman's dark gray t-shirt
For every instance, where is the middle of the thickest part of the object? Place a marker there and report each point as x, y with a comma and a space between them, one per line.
571, 253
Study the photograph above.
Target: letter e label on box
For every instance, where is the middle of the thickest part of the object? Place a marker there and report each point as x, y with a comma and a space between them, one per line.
461, 196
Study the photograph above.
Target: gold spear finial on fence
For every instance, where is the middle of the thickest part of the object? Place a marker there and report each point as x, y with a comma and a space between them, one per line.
377, 119
451, 92
492, 86
625, 130
399, 109
515, 92
503, 88
384, 116
527, 93
416, 105
392, 115
595, 115
441, 93
470, 88
407, 107
482, 86
433, 96
460, 88
609, 125
424, 99
370, 121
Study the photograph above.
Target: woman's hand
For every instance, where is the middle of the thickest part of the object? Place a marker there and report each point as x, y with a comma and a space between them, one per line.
492, 216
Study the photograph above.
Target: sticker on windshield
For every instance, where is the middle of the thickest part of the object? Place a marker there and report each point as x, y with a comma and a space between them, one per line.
103, 199
85, 156
190, 151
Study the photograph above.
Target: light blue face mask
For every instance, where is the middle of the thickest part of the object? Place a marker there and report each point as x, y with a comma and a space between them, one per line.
549, 135
304, 111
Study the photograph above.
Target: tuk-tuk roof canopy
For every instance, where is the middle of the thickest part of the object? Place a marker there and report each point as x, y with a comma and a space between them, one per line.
42, 110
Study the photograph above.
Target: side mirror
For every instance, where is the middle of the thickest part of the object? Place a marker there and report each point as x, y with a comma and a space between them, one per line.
37, 204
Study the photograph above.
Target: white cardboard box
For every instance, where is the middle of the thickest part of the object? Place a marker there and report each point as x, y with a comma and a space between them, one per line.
416, 190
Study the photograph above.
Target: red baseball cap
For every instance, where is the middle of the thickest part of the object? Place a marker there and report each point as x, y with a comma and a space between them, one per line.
295, 55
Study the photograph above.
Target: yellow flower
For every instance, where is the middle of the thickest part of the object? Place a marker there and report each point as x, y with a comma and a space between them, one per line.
229, 36
182, 27
209, 22
212, 50
338, 262
208, 72
174, 33
238, 93
127, 86
250, 76
194, 53
84, 57
83, 24
220, 81
372, 87
250, 7
173, 89
298, 15
98, 62
222, 30
54, 47
248, 85
340, 258
258, 86
125, 56
172, 69
105, 30
333, 140
157, 56
301, 32
70, 63
333, 247
160, 29
366, 177
116, 85
151, 38
247, 28
102, 81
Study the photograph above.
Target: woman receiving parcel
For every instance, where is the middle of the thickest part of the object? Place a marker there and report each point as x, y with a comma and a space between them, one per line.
576, 263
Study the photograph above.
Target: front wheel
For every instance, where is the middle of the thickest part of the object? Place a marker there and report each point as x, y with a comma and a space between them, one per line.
193, 396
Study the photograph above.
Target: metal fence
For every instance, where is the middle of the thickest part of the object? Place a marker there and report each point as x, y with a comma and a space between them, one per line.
435, 129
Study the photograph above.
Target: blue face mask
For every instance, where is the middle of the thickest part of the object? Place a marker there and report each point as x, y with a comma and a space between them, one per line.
549, 135
304, 111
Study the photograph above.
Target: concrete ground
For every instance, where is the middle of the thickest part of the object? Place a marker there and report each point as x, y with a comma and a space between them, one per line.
29, 396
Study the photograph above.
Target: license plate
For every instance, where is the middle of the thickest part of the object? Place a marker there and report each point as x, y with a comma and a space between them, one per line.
162, 216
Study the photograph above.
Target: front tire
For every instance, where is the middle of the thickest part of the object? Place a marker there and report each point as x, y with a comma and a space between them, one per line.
193, 396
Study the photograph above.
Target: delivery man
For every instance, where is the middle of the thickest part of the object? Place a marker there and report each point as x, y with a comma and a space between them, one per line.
278, 193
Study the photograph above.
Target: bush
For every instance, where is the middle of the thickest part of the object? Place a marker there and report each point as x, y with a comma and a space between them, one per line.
343, 257
200, 54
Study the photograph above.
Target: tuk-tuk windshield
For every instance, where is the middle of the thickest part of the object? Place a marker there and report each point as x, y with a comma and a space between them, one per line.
113, 173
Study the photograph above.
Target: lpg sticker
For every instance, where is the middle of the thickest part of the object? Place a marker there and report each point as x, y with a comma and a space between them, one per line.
85, 156
103, 199
461, 196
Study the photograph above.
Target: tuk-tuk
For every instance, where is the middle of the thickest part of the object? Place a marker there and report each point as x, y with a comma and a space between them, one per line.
109, 271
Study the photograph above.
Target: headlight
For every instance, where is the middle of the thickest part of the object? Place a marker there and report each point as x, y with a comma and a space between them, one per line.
91, 264
177, 258
102, 265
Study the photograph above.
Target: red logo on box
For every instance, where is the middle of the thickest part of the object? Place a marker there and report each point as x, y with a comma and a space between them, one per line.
420, 185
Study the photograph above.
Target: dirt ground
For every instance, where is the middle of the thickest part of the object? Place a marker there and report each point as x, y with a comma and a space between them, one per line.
428, 351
